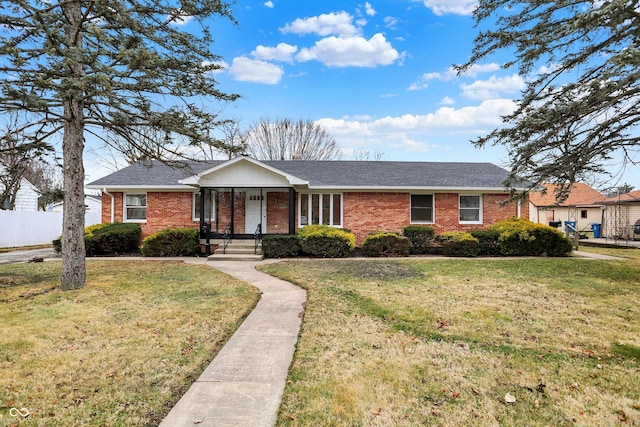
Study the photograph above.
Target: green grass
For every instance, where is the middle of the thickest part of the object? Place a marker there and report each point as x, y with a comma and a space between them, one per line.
120, 351
442, 342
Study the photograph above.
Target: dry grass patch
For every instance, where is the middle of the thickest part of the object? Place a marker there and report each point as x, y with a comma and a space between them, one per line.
449, 342
120, 351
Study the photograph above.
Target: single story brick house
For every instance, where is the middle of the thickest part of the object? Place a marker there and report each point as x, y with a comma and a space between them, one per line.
243, 195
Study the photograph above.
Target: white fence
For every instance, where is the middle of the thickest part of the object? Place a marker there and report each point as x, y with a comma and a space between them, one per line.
34, 228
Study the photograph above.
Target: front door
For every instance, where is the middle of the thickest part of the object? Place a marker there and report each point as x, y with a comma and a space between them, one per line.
256, 211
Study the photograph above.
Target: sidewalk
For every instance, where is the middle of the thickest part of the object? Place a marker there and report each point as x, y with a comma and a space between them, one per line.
243, 385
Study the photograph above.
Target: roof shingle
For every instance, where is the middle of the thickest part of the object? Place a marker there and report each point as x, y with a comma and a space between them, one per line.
338, 174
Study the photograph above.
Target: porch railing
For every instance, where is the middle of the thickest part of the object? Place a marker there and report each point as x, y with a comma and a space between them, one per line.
226, 238
257, 236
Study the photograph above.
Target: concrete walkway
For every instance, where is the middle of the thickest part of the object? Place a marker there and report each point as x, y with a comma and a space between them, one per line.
243, 385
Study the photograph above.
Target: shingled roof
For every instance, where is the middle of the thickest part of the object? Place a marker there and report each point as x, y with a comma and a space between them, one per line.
581, 195
327, 174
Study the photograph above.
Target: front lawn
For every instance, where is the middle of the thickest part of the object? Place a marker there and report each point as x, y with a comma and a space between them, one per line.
120, 351
465, 342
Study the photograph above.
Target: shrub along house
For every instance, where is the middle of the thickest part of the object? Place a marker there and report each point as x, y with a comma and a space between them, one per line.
243, 196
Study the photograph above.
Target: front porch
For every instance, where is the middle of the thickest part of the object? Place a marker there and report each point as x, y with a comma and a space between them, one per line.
245, 212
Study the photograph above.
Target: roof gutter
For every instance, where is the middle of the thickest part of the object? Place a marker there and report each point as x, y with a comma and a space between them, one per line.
113, 204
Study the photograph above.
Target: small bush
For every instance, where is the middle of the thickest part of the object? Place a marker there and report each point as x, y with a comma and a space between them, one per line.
386, 244
552, 242
487, 242
521, 237
115, 239
458, 243
88, 239
280, 246
326, 242
171, 242
421, 239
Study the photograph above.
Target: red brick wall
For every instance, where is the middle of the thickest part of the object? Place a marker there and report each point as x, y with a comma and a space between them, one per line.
277, 213
168, 210
164, 210
367, 212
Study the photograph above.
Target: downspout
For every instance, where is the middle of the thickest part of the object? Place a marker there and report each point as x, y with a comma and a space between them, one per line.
113, 204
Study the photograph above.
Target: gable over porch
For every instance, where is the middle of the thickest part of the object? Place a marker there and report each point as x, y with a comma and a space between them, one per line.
243, 197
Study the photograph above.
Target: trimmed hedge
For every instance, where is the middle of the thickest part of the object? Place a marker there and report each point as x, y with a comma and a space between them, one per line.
487, 242
171, 242
280, 246
421, 239
386, 244
458, 243
108, 239
326, 242
114, 239
521, 237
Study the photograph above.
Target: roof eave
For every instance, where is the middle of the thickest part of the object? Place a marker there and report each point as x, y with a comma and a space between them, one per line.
112, 187
414, 188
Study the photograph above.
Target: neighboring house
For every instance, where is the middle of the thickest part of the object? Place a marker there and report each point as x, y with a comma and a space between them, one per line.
243, 195
92, 203
621, 213
583, 206
26, 198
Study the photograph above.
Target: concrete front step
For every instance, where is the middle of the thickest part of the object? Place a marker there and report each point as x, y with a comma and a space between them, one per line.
239, 249
234, 257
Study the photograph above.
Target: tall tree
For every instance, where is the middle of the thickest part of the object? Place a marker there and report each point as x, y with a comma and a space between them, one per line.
288, 140
580, 106
83, 66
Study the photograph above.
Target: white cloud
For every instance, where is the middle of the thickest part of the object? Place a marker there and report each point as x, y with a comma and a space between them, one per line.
351, 52
488, 114
456, 7
282, 52
450, 74
369, 10
268, 4
339, 24
476, 69
447, 101
390, 22
252, 70
494, 87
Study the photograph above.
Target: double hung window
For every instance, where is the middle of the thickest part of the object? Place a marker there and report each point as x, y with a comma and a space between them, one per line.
209, 201
422, 208
135, 207
470, 209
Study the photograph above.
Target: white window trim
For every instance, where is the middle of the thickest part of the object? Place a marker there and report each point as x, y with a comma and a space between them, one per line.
320, 217
124, 207
433, 209
480, 213
193, 206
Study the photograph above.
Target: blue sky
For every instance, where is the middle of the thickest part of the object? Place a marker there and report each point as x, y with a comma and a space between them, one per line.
376, 75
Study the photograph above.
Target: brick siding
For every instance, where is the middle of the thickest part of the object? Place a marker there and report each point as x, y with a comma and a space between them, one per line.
363, 211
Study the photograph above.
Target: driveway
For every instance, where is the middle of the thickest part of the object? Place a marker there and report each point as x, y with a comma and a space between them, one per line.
24, 256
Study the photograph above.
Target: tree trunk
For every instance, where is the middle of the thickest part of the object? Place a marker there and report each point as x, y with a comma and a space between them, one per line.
73, 250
